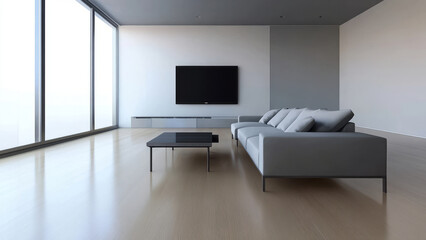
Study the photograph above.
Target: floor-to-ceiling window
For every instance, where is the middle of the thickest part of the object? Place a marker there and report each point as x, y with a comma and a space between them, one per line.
105, 37
57, 72
67, 51
17, 73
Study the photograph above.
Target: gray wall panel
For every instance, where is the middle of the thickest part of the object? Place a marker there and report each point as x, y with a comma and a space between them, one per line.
304, 66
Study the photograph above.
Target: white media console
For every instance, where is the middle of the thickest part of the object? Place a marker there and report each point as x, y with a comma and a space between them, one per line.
183, 122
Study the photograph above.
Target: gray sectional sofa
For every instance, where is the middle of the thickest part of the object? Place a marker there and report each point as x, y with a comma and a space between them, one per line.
305, 143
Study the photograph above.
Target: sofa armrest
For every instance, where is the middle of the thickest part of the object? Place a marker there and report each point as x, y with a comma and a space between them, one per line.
249, 118
315, 154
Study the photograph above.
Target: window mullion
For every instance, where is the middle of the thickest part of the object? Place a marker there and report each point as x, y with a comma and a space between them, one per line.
92, 70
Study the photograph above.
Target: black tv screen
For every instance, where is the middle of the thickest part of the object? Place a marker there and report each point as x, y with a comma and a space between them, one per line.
206, 84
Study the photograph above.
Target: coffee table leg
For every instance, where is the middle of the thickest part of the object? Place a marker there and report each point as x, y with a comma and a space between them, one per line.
208, 159
150, 159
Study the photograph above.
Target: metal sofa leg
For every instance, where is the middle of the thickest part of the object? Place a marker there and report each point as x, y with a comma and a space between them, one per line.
264, 183
237, 141
385, 184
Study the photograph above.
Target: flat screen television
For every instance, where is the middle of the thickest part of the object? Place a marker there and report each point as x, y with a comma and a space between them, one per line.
206, 84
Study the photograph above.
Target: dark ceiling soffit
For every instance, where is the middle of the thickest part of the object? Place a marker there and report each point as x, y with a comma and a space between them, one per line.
101, 12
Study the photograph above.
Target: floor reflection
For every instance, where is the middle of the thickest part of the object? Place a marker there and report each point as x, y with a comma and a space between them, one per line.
100, 187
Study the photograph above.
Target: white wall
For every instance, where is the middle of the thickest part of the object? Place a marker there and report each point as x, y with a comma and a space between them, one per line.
149, 54
383, 67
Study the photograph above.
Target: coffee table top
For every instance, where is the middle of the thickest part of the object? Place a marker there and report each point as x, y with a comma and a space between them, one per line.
182, 139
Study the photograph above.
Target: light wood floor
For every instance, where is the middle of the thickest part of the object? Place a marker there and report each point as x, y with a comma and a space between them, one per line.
100, 187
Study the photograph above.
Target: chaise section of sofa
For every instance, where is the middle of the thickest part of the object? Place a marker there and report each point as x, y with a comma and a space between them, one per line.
322, 155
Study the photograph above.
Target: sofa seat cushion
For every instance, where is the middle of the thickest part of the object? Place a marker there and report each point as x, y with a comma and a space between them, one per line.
279, 117
331, 121
268, 115
245, 133
239, 125
253, 149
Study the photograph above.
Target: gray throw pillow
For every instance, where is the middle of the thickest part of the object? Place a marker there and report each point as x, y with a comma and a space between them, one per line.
331, 121
279, 117
301, 125
307, 113
289, 119
268, 115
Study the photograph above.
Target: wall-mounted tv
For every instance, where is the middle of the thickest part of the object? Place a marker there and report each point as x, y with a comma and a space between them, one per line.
206, 84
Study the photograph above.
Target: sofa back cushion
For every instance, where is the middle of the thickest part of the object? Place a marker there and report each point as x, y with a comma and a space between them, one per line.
331, 121
301, 125
268, 115
306, 113
279, 117
289, 119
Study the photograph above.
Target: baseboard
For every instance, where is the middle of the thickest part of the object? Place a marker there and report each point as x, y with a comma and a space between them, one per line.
389, 132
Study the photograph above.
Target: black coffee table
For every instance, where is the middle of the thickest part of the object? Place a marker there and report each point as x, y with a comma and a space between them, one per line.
183, 140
